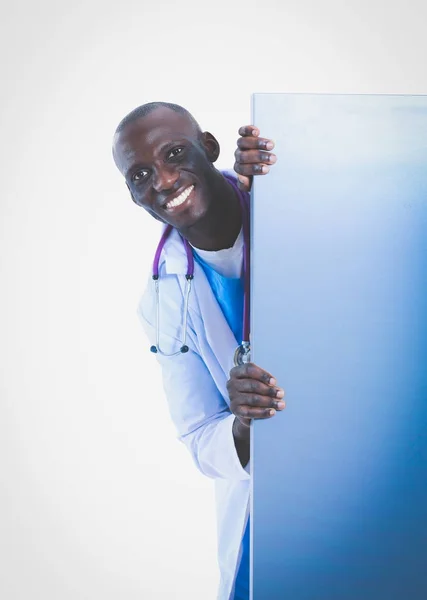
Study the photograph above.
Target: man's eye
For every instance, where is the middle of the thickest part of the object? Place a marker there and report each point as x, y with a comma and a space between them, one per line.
139, 175
175, 152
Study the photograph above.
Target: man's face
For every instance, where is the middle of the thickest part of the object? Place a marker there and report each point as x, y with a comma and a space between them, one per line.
168, 167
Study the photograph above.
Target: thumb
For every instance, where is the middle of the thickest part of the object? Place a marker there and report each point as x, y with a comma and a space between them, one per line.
244, 183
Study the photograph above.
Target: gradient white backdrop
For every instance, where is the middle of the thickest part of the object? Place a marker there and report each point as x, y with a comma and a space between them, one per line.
98, 498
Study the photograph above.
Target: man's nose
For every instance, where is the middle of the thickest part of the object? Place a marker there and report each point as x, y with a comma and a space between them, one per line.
164, 178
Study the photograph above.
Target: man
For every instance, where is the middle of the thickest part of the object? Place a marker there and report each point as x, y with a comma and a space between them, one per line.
168, 165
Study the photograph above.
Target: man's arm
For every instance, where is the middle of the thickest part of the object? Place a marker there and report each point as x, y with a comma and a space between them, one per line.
241, 434
202, 418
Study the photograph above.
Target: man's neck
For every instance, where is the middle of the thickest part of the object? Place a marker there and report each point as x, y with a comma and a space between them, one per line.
221, 226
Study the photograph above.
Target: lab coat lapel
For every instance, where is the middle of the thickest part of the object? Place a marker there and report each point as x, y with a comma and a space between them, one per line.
217, 332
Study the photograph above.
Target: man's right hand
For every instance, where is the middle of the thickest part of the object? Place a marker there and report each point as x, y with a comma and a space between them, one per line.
253, 393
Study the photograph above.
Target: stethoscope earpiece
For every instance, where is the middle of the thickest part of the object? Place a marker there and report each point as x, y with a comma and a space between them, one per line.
183, 349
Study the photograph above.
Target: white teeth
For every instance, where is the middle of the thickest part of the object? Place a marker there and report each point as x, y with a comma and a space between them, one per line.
181, 198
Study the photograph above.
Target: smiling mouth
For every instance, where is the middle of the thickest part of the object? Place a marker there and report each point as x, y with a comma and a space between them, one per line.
179, 199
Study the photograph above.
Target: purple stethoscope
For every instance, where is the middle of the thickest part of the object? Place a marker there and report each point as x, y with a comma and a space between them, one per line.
242, 353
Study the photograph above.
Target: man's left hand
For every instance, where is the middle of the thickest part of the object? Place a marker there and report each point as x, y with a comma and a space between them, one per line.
253, 156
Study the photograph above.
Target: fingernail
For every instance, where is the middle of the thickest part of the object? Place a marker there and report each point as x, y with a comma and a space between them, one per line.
255, 132
272, 412
265, 169
272, 381
272, 158
280, 405
280, 394
269, 145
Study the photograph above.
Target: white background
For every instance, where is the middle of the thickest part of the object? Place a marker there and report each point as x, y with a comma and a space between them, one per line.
98, 500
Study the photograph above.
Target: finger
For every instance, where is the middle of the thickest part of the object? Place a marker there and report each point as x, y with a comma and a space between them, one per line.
249, 130
255, 387
257, 401
255, 156
250, 143
244, 183
252, 371
249, 412
251, 169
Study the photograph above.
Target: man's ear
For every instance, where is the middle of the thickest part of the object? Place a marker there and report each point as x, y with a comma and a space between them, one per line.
211, 146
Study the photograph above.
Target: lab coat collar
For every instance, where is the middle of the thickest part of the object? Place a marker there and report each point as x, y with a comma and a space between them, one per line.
174, 256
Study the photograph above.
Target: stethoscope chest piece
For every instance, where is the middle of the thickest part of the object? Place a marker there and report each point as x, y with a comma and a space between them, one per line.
242, 354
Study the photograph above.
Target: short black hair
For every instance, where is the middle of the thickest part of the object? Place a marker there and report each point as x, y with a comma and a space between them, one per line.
145, 109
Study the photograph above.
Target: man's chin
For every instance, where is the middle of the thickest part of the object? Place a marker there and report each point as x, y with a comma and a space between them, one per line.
188, 215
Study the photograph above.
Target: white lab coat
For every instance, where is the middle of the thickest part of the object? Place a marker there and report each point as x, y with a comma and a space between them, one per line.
195, 387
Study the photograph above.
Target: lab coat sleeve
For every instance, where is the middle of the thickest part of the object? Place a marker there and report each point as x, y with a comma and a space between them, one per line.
200, 414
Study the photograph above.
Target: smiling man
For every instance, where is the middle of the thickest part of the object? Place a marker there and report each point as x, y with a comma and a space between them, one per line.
193, 309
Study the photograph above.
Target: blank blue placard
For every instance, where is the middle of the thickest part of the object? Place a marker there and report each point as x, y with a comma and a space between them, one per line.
339, 316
